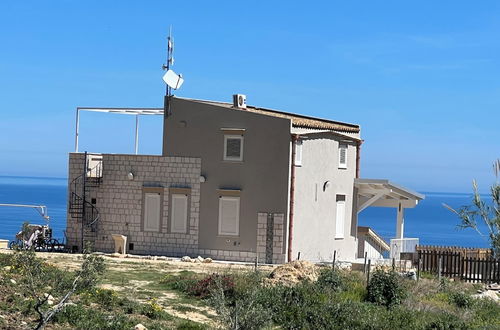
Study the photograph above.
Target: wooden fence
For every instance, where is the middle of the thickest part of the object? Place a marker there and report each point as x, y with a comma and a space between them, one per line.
478, 253
456, 265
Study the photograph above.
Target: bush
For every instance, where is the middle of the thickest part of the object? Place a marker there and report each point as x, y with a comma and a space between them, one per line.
183, 282
461, 299
332, 278
386, 289
203, 288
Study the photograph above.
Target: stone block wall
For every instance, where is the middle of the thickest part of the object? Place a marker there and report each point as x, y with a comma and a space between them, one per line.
270, 237
119, 201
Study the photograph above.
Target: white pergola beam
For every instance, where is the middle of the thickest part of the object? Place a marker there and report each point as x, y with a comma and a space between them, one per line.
370, 201
123, 111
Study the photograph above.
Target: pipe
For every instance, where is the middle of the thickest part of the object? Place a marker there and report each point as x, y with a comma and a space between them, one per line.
295, 137
77, 128
358, 157
136, 134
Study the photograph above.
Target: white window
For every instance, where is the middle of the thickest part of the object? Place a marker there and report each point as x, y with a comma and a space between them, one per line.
152, 210
342, 155
298, 153
178, 215
340, 218
233, 147
229, 215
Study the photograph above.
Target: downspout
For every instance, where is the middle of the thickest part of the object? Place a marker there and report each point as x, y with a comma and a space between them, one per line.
295, 137
358, 158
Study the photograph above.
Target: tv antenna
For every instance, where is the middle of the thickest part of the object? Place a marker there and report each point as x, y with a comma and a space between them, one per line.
171, 79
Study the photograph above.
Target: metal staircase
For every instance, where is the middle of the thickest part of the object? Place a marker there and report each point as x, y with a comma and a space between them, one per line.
81, 207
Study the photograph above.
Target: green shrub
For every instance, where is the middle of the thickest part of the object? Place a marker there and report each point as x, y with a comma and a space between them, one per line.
204, 287
332, 279
461, 299
242, 311
182, 282
386, 289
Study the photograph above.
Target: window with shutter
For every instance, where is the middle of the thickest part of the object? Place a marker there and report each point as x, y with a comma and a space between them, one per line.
340, 217
298, 153
233, 147
152, 211
229, 215
342, 155
178, 214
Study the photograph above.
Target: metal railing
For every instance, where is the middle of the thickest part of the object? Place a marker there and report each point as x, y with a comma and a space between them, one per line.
402, 245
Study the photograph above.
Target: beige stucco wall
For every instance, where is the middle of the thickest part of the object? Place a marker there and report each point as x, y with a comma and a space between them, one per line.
315, 208
194, 130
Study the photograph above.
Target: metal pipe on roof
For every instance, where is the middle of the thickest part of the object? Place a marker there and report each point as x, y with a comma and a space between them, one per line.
136, 134
77, 128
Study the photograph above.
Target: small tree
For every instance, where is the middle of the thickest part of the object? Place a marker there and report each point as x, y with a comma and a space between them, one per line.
40, 282
480, 211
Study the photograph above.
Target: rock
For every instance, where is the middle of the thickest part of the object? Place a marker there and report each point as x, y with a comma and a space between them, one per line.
7, 268
13, 281
493, 286
488, 294
344, 265
186, 259
23, 323
207, 260
50, 299
199, 259
140, 327
133, 256
162, 258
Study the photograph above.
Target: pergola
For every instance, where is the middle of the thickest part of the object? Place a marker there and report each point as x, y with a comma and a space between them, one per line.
123, 111
383, 193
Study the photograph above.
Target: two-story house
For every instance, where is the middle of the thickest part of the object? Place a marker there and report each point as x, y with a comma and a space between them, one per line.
234, 182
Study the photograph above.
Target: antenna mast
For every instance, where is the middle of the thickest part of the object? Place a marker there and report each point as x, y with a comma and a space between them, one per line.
166, 67
172, 79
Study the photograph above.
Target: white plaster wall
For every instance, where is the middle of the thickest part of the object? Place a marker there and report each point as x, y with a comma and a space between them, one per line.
315, 209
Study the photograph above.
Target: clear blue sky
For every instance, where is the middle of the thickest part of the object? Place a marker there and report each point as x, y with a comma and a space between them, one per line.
421, 78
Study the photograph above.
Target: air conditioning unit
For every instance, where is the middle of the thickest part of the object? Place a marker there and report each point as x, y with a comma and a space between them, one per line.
240, 101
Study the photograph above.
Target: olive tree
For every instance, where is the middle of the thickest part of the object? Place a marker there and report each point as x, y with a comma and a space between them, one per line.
484, 212
50, 289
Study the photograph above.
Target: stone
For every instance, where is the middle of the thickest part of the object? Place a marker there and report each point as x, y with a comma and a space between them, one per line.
13, 281
140, 327
186, 259
199, 259
207, 260
7, 268
488, 294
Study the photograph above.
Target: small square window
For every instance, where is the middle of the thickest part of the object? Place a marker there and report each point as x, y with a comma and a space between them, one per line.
233, 147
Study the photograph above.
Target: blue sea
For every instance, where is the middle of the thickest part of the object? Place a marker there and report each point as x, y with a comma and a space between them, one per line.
429, 221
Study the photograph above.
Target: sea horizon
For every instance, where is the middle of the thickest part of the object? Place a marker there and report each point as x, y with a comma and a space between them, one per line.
430, 221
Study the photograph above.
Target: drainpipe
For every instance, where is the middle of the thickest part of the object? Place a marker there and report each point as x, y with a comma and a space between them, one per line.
358, 157
295, 137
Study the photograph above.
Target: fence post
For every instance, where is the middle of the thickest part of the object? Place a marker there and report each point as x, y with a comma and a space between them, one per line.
368, 271
298, 256
334, 257
393, 264
364, 265
418, 267
256, 261
439, 267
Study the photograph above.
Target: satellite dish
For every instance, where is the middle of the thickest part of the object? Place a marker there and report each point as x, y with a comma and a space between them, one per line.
172, 79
